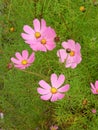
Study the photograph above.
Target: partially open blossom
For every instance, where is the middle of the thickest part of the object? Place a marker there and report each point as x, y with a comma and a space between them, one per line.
54, 127
24, 60
94, 88
54, 91
9, 66
70, 55
41, 38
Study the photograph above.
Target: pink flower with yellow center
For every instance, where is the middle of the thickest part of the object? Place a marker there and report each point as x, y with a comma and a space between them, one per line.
54, 127
94, 88
54, 91
23, 61
41, 38
70, 55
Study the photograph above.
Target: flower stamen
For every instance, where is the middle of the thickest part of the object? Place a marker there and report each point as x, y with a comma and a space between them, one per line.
72, 53
43, 41
37, 35
97, 90
53, 90
24, 62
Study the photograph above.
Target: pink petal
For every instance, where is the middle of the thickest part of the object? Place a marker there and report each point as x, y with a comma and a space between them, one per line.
72, 43
54, 80
73, 65
15, 60
36, 24
43, 25
31, 58
54, 98
73, 61
67, 65
96, 84
77, 47
31, 41
28, 29
60, 95
57, 96
69, 44
64, 88
94, 91
50, 35
34, 47
54, 127
92, 86
46, 97
50, 45
69, 61
38, 47
25, 54
43, 91
20, 66
41, 47
60, 81
44, 85
27, 36
62, 55
78, 58
18, 56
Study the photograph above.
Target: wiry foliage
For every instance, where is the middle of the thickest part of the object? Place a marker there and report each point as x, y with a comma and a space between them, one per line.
19, 100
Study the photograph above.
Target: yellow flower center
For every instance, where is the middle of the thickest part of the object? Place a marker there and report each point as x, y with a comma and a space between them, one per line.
43, 41
97, 90
37, 35
24, 62
72, 53
53, 90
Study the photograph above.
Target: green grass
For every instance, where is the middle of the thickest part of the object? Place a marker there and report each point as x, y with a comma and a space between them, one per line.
19, 100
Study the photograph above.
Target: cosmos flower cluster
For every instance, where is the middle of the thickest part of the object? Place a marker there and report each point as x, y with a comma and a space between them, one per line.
42, 38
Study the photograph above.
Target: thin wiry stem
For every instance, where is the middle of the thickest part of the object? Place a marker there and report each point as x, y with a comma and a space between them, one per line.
36, 74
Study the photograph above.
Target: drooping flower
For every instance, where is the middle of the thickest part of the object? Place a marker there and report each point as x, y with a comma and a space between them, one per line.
41, 38
54, 91
24, 60
54, 127
94, 88
70, 55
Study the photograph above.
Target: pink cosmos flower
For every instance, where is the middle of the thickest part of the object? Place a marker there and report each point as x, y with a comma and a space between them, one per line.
94, 88
70, 55
54, 91
24, 60
41, 38
54, 127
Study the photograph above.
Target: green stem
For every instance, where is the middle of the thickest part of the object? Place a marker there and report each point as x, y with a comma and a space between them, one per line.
36, 74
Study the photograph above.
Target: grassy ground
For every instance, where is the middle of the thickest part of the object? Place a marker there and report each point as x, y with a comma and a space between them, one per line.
19, 100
